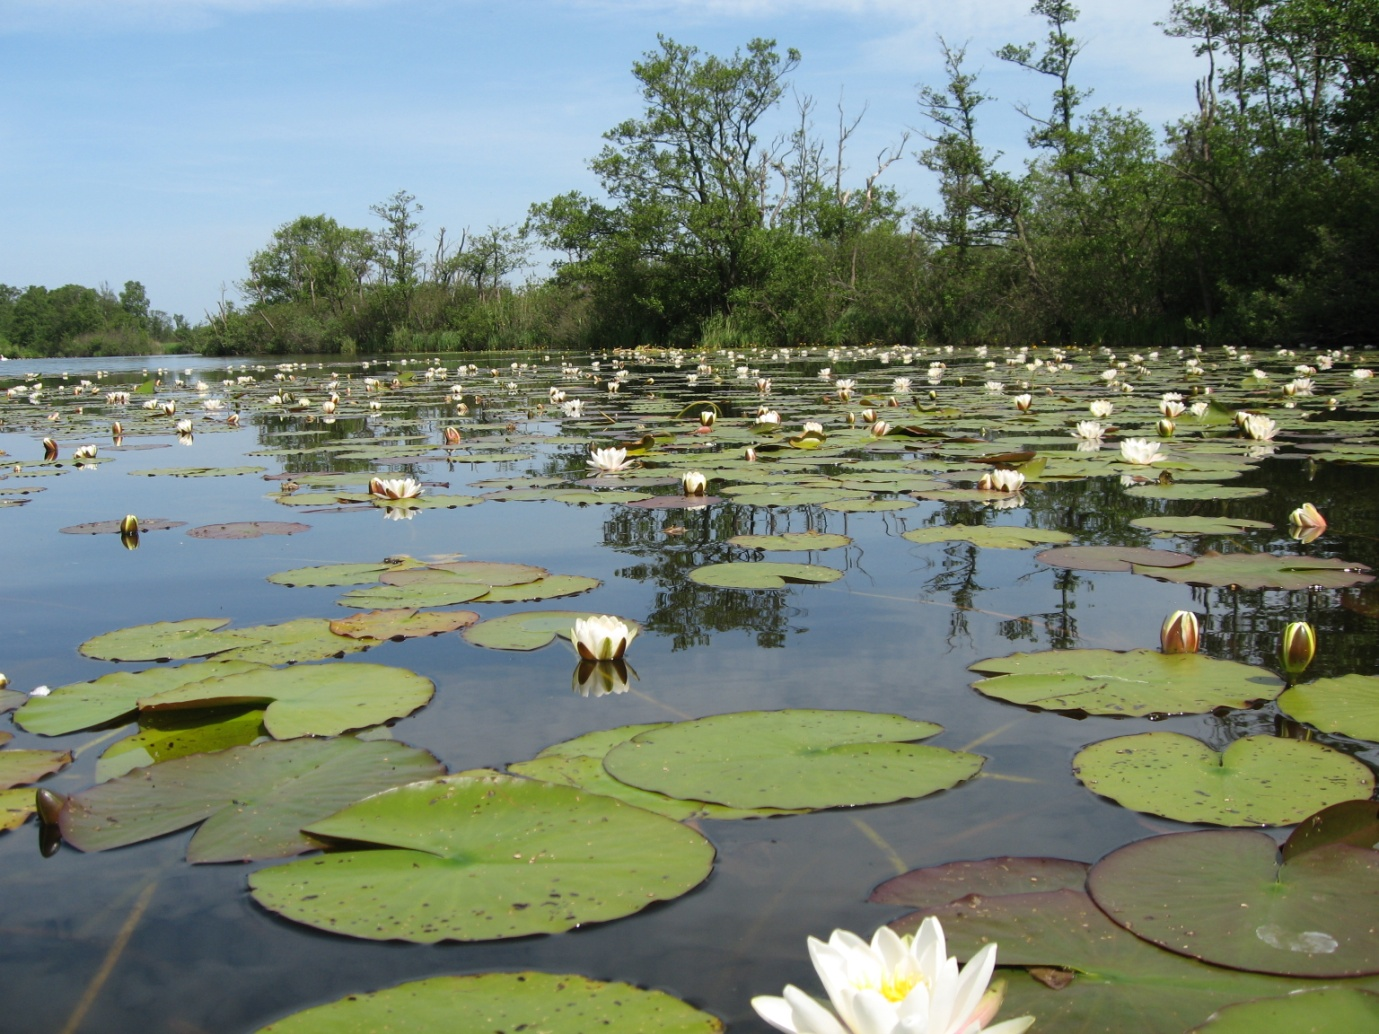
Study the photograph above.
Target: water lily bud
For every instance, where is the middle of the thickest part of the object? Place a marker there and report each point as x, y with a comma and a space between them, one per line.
130, 525
707, 417
693, 483
750, 455
1297, 647
1307, 516
1024, 402
452, 436
879, 429
1180, 633
48, 804
868, 416
1165, 427
49, 449
116, 429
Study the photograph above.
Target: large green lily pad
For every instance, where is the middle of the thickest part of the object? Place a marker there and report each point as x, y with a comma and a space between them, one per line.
795, 541
1134, 683
291, 642
84, 704
252, 801
444, 592
341, 574
1200, 525
198, 472
579, 762
994, 537
482, 856
1224, 896
310, 700
1195, 490
1328, 1010
1120, 983
529, 631
800, 758
483, 1003
19, 767
404, 623
1111, 558
1265, 571
164, 735
550, 588
763, 574
1348, 705
167, 641
1255, 781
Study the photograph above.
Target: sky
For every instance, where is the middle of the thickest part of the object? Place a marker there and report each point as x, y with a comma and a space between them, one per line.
165, 140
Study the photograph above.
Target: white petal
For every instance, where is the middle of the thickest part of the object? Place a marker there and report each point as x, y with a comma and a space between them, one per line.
809, 1016
972, 984
874, 1014
775, 1011
1016, 1026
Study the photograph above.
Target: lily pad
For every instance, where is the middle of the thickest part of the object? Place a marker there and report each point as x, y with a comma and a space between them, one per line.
1200, 525
341, 574
792, 541
198, 472
937, 885
402, 624
1224, 896
20, 767
486, 1002
1327, 1010
246, 529
1111, 558
869, 505
310, 700
554, 587
432, 593
291, 642
764, 574
113, 527
791, 759
1195, 490
82, 705
994, 537
1265, 571
482, 856
529, 631
1348, 705
164, 735
252, 800
167, 641
1134, 683
483, 571
1255, 781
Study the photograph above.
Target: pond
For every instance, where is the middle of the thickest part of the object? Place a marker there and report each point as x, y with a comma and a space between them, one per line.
907, 573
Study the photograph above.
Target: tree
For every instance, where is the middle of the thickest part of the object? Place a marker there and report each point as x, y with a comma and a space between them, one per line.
312, 260
399, 256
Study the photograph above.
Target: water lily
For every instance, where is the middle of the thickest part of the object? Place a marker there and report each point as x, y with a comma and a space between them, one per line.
767, 418
1101, 408
693, 483
1180, 633
184, 427
1297, 647
707, 417
1307, 516
1258, 428
451, 435
49, 449
893, 985
1001, 480
1089, 430
602, 637
395, 488
813, 427
1140, 451
573, 408
601, 678
608, 461
1023, 402
1165, 428
879, 429
84, 452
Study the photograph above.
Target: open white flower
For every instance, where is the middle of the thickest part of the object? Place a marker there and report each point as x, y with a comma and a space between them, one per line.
608, 461
1102, 408
602, 637
768, 418
395, 488
1001, 480
894, 984
1140, 451
693, 483
1088, 430
1258, 427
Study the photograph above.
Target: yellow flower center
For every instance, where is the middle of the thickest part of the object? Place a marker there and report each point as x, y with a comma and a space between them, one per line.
895, 987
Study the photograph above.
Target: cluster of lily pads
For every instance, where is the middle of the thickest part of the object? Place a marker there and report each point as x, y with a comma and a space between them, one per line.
272, 739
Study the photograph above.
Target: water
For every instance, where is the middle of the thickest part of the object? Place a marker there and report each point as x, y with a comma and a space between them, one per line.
138, 940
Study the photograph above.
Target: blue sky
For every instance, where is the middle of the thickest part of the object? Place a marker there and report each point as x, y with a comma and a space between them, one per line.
164, 140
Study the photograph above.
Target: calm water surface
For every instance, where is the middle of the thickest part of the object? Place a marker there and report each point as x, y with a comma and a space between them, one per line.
137, 940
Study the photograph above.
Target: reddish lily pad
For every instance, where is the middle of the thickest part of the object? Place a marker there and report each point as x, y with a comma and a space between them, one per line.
247, 529
341, 574
402, 624
1111, 558
1264, 571
939, 885
113, 527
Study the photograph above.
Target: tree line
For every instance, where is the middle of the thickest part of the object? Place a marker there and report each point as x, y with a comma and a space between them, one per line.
725, 219
76, 320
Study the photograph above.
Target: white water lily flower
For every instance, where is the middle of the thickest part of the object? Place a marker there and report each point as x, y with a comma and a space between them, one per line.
900, 385
573, 407
395, 488
693, 483
1258, 428
1023, 402
1171, 408
602, 637
1001, 480
1362, 374
608, 461
1199, 409
769, 418
1140, 451
1102, 408
893, 985
1088, 430
184, 427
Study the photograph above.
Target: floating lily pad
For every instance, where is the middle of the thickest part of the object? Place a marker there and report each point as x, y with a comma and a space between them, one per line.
1224, 896
113, 527
1264, 571
554, 587
16, 805
341, 574
869, 505
167, 641
529, 631
1327, 1010
994, 537
579, 762
164, 735
290, 642
246, 529
1195, 490
1137, 682
792, 541
764, 574
1255, 781
253, 801
82, 705
484, 571
1348, 705
1120, 982
1350, 822
1111, 558
1200, 525
484, 856
937, 885
402, 624
487, 1002
310, 700
198, 472
19, 767
791, 759
433, 593
759, 495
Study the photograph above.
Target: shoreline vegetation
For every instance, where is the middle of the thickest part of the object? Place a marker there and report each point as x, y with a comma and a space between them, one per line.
729, 217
